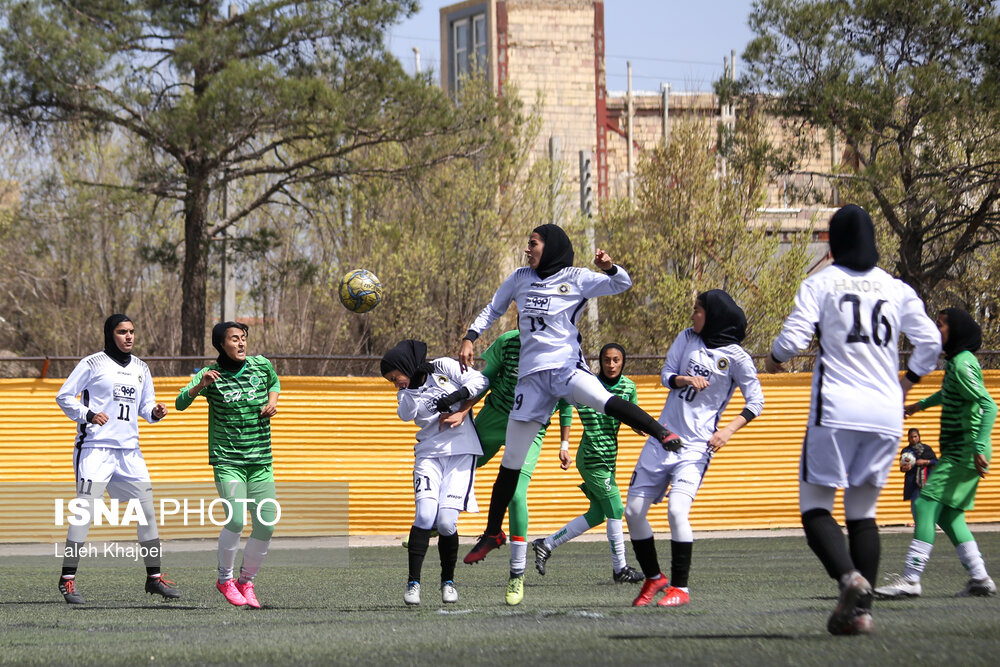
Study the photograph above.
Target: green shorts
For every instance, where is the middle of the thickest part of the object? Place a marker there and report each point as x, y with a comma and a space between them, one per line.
251, 486
952, 484
598, 483
491, 425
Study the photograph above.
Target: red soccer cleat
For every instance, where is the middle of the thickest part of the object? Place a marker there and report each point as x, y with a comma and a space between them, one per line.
673, 597
484, 545
246, 590
650, 587
231, 593
671, 441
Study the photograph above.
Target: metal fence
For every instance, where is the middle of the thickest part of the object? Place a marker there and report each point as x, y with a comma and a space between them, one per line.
365, 365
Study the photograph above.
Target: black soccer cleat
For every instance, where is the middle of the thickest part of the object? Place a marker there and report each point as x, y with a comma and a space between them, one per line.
484, 545
628, 575
671, 441
161, 586
542, 554
68, 589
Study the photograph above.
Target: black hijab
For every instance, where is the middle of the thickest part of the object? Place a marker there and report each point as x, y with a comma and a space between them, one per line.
725, 322
110, 346
410, 357
963, 332
218, 337
557, 253
852, 238
601, 376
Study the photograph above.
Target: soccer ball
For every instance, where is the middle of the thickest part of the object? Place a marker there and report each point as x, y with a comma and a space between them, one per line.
908, 457
360, 291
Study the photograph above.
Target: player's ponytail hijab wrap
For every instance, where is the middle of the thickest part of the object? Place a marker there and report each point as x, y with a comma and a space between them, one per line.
852, 238
725, 322
110, 346
218, 337
410, 357
963, 332
557, 253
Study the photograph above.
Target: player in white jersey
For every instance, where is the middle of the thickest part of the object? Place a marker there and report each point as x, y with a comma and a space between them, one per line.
105, 395
857, 311
549, 294
445, 454
704, 366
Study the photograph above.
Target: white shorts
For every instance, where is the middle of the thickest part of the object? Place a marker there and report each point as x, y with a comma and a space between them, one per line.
536, 394
658, 468
841, 458
447, 479
121, 471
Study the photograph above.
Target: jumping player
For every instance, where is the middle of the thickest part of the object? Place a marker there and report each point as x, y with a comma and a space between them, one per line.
445, 454
596, 459
491, 423
967, 415
703, 367
550, 293
857, 311
114, 389
242, 394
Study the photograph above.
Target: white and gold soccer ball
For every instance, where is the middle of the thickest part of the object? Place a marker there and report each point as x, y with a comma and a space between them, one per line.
360, 291
907, 457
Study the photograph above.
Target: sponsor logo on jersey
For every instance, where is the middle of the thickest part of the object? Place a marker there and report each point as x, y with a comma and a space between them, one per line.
722, 363
124, 392
542, 285
536, 304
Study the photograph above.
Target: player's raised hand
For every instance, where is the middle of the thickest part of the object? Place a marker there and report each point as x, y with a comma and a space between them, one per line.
209, 378
696, 381
602, 260
465, 354
159, 411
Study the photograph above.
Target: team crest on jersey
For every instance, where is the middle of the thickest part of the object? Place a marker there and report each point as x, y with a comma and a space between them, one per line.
254, 380
442, 380
564, 288
722, 363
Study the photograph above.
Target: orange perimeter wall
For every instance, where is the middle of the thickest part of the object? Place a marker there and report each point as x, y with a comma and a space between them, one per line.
346, 430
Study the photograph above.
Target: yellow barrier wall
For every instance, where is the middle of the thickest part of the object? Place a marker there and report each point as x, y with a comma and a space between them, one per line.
346, 430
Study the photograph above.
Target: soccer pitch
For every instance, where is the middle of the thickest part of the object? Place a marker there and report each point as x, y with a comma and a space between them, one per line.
755, 600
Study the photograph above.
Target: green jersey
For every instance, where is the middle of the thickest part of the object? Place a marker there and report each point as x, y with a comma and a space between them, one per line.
237, 433
599, 444
967, 410
501, 370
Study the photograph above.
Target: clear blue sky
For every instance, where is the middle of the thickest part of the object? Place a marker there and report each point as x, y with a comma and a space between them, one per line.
680, 42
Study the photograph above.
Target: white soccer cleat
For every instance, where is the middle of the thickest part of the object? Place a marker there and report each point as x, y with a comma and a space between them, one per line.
978, 588
449, 594
412, 594
898, 587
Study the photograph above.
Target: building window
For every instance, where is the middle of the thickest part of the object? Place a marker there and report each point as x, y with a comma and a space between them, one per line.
468, 43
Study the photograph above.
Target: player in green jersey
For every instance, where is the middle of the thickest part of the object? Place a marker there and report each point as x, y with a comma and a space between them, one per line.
491, 423
967, 415
242, 395
595, 459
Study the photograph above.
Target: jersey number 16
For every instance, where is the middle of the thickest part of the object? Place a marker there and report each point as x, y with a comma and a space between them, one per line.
881, 328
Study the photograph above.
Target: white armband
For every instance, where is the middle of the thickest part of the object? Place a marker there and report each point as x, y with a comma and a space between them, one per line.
564, 446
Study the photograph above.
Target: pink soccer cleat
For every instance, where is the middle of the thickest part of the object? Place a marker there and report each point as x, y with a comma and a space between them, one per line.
246, 590
231, 593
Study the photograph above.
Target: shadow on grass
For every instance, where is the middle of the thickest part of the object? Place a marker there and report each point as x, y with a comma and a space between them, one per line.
711, 636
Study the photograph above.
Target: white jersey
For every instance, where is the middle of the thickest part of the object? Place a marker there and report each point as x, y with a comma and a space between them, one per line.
123, 393
857, 317
420, 406
694, 415
547, 312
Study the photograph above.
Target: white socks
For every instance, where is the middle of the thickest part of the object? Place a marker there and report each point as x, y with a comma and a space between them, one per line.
574, 528
518, 556
229, 544
617, 541
916, 560
972, 560
253, 556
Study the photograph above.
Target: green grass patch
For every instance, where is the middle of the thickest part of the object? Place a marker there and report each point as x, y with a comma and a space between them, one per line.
753, 601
